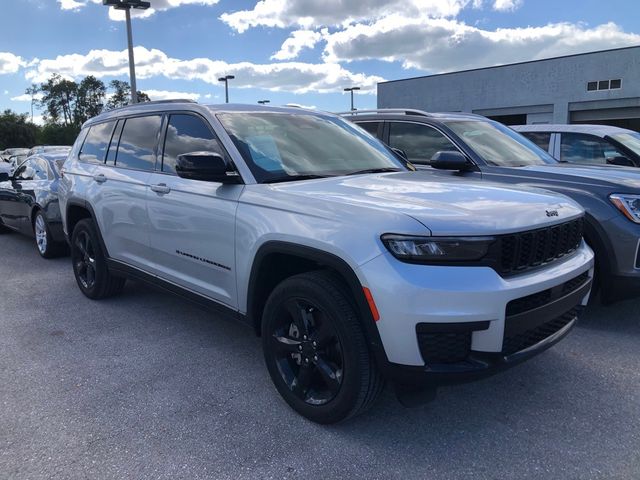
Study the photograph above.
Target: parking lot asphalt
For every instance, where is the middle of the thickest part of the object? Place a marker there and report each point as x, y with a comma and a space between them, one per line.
147, 385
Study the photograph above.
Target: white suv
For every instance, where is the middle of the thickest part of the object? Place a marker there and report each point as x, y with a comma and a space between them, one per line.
354, 269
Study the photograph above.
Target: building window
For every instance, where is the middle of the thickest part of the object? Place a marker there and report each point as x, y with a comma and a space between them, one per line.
615, 84
603, 85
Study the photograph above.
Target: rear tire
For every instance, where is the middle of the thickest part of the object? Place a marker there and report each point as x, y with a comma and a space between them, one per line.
47, 247
90, 263
316, 351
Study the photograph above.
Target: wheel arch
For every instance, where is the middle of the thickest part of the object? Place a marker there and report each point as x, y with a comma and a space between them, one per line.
277, 260
77, 210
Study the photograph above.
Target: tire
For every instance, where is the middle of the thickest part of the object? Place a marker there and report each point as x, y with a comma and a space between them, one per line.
90, 263
46, 246
316, 351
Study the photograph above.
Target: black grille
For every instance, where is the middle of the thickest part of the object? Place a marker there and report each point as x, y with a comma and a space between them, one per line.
531, 302
444, 347
520, 341
522, 251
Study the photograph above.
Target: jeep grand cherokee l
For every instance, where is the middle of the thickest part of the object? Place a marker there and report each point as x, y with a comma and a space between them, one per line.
353, 269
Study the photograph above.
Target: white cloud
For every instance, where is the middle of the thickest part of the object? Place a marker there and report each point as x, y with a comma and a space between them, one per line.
293, 45
507, 5
295, 77
10, 63
168, 95
437, 45
315, 13
157, 6
25, 97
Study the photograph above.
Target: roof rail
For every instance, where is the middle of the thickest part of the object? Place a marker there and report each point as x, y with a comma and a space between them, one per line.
404, 111
152, 102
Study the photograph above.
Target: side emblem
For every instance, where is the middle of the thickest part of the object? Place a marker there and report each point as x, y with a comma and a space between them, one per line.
552, 213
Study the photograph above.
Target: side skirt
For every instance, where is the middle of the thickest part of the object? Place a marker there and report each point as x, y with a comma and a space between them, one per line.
124, 270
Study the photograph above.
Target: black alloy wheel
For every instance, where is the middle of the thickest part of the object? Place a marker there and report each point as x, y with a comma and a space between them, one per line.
308, 352
90, 264
315, 348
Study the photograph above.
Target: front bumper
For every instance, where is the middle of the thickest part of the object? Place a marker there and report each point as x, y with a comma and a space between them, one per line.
489, 322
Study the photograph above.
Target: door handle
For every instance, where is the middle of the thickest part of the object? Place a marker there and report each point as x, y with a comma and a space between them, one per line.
161, 188
100, 178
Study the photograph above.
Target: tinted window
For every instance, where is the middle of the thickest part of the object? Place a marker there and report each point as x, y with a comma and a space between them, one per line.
371, 127
185, 134
541, 139
26, 171
137, 148
419, 142
603, 85
615, 84
591, 86
41, 171
96, 143
581, 148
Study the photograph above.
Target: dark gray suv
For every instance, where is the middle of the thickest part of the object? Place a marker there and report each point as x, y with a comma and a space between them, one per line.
456, 145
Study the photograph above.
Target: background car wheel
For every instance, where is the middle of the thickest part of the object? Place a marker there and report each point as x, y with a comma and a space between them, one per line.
316, 351
47, 247
90, 264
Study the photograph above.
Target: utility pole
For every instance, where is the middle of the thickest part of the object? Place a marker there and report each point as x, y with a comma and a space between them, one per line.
127, 5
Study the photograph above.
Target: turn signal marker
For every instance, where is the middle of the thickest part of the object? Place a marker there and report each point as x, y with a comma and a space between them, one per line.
372, 304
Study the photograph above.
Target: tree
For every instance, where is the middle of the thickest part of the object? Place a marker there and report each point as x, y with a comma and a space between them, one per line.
59, 98
90, 99
121, 95
16, 131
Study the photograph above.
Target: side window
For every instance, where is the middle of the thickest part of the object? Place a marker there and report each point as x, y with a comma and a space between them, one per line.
187, 133
582, 148
419, 142
371, 127
41, 171
26, 171
541, 139
95, 145
137, 147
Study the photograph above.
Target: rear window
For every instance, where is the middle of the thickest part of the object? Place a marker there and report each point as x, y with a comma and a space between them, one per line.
95, 145
541, 139
137, 148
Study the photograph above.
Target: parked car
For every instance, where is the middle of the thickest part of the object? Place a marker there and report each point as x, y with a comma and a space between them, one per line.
29, 202
48, 149
353, 269
5, 154
589, 144
467, 146
15, 160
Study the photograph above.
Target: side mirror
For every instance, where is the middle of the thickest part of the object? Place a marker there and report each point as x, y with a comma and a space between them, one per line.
4, 177
621, 161
205, 166
449, 160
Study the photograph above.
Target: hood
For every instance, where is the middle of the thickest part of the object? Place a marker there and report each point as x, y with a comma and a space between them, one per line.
622, 179
450, 207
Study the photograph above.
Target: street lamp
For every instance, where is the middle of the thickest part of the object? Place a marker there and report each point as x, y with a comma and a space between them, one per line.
351, 89
226, 79
127, 5
264, 102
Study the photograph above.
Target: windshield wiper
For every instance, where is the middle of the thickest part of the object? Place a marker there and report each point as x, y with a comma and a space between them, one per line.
375, 170
291, 178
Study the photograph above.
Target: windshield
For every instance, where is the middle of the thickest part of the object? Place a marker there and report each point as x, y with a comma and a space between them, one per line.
279, 147
629, 140
499, 145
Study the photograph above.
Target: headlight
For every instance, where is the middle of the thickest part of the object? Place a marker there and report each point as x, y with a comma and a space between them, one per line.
436, 249
629, 205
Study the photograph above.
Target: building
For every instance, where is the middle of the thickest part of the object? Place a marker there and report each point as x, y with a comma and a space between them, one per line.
598, 87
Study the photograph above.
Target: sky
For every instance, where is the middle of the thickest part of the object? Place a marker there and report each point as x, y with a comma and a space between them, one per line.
293, 51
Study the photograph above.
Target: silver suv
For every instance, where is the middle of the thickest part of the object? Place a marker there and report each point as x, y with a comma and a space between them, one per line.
352, 268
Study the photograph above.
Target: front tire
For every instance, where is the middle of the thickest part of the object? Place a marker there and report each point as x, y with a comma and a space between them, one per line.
90, 263
316, 351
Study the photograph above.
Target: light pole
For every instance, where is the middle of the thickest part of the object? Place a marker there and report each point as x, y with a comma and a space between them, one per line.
226, 79
351, 89
127, 5
264, 102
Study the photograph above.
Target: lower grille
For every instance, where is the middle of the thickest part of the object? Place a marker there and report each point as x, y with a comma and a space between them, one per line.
521, 341
444, 347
